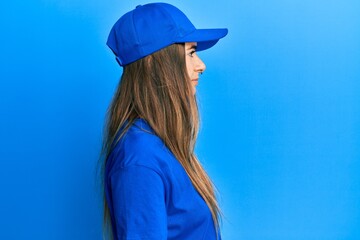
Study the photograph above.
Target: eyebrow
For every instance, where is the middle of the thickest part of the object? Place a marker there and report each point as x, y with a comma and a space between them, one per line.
192, 47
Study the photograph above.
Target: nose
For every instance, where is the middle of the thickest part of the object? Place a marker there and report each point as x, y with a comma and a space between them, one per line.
200, 65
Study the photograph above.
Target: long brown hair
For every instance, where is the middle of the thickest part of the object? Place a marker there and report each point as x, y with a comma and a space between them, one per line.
157, 88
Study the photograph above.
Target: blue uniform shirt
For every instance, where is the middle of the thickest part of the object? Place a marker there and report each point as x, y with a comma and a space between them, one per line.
149, 194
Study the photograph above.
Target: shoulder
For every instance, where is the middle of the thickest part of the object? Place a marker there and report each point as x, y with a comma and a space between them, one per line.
140, 146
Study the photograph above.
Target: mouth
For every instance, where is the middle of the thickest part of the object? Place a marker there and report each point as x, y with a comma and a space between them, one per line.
195, 80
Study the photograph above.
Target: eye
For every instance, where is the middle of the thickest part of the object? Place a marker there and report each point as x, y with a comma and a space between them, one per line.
191, 53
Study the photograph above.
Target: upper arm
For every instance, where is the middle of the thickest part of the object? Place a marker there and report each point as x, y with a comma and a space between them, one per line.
138, 198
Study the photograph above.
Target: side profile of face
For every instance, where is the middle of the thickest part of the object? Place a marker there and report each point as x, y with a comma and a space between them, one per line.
194, 65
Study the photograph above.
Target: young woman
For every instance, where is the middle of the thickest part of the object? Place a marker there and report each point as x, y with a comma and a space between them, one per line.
154, 186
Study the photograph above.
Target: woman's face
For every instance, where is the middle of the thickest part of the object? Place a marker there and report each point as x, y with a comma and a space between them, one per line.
194, 65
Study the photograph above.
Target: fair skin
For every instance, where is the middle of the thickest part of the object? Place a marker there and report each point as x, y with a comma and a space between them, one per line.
194, 65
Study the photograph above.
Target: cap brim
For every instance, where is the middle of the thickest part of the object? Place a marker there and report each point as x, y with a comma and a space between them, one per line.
205, 38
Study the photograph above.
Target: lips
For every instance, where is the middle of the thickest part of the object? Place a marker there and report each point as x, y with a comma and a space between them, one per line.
195, 82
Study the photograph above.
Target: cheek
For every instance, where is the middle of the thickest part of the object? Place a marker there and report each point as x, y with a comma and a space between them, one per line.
189, 67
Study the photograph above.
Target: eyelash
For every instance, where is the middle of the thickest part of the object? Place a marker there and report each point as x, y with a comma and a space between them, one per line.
191, 53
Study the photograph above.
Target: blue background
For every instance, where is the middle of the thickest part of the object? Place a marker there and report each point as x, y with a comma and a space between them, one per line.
280, 132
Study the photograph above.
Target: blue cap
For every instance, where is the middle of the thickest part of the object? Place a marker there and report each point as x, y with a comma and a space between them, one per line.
151, 27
